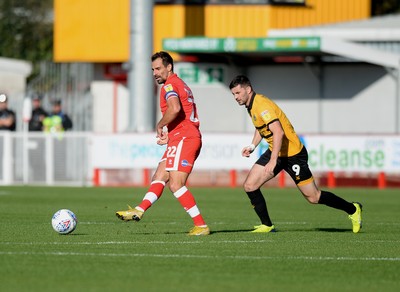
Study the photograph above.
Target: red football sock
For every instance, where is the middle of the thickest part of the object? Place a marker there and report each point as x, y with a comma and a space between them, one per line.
187, 201
153, 194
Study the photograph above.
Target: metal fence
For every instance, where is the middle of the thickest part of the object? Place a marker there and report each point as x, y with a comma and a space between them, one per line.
44, 158
69, 82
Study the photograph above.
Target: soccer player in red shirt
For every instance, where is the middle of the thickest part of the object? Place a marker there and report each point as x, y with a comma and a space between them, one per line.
179, 129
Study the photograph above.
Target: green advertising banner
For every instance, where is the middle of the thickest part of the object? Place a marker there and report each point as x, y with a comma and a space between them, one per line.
201, 73
226, 45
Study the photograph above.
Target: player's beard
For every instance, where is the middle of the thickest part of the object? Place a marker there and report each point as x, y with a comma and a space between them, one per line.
159, 79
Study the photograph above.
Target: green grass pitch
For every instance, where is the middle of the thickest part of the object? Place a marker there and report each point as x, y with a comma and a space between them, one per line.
313, 250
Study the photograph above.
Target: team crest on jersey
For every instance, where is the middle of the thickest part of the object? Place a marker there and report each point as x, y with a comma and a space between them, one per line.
188, 91
168, 88
266, 115
254, 118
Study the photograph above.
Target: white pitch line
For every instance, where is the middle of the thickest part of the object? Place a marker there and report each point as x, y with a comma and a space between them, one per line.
174, 223
307, 258
181, 242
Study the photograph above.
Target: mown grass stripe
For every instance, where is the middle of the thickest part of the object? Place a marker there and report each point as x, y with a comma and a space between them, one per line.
186, 242
307, 258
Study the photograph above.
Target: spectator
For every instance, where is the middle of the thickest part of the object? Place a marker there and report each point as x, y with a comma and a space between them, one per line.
7, 116
57, 121
38, 114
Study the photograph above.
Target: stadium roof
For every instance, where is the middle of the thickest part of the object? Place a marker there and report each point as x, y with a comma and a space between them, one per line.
376, 41
387, 21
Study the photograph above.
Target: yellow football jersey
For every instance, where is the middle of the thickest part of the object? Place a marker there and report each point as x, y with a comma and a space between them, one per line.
264, 111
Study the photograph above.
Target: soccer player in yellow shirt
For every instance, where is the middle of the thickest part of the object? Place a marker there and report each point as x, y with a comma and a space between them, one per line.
285, 152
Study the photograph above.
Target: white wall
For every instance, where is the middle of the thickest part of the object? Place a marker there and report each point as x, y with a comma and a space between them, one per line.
219, 112
294, 88
350, 98
359, 99
334, 99
110, 107
13, 75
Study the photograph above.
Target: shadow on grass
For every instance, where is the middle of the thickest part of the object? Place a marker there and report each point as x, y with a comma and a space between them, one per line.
333, 229
330, 230
75, 234
186, 232
231, 231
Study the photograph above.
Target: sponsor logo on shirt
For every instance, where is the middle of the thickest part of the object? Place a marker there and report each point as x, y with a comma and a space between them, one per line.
168, 88
266, 115
185, 163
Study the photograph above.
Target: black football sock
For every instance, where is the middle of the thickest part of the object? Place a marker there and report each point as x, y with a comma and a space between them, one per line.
331, 200
260, 206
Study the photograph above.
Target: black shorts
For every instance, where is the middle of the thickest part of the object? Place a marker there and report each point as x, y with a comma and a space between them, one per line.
296, 166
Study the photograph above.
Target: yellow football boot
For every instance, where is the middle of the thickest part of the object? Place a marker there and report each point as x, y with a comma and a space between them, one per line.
356, 218
199, 230
263, 229
130, 214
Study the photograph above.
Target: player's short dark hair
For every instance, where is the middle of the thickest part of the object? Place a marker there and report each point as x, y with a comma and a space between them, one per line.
165, 57
240, 80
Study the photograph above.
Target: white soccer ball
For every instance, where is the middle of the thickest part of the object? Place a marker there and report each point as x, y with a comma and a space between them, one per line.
64, 221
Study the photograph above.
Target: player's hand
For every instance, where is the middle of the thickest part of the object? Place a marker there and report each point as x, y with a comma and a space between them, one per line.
162, 138
246, 151
269, 167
